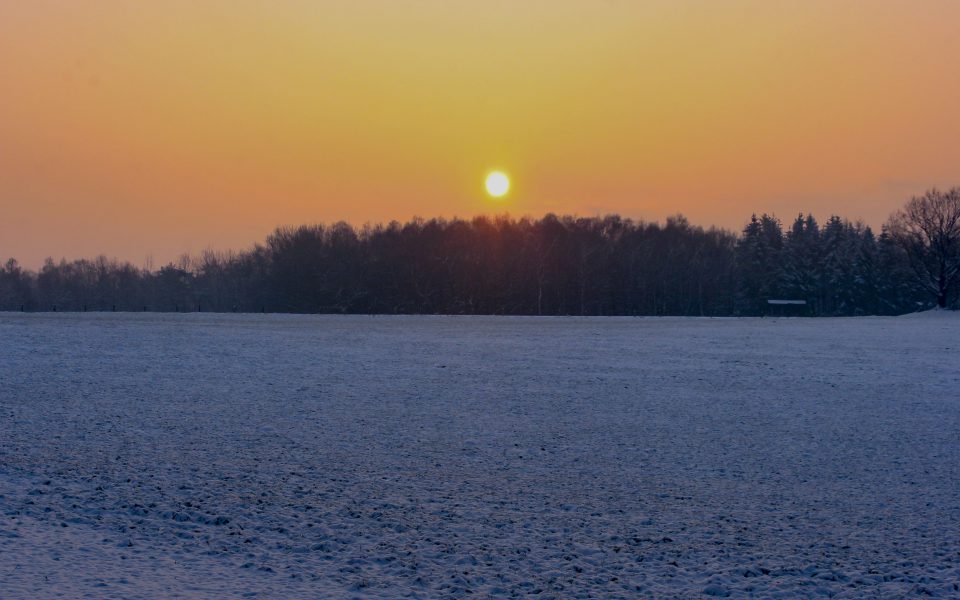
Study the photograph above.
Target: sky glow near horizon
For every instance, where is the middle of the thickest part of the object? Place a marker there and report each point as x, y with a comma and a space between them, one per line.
132, 129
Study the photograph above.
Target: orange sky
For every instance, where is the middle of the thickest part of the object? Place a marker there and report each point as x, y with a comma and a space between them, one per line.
132, 128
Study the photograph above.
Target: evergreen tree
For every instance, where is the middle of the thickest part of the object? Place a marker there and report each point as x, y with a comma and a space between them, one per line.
801, 274
759, 264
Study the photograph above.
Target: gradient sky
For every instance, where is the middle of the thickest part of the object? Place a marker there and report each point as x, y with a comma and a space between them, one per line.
138, 129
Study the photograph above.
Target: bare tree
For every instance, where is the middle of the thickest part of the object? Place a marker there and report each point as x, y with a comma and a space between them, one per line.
928, 230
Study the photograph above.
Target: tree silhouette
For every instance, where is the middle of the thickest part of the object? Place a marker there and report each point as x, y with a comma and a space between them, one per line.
557, 265
928, 231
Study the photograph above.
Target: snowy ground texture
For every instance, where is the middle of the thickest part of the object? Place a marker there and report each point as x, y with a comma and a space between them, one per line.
148, 456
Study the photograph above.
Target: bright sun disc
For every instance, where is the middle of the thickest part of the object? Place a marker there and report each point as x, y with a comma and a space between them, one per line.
498, 184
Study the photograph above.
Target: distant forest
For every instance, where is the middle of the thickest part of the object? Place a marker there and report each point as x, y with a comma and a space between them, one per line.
550, 266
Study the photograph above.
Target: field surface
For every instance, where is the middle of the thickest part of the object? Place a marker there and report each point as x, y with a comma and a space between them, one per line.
149, 456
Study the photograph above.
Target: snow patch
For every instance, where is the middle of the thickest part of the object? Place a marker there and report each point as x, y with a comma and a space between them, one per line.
330, 457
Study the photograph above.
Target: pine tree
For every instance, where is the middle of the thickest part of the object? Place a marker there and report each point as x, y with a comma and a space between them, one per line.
758, 264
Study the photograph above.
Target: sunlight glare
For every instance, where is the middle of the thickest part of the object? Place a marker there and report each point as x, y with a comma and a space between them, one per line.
498, 184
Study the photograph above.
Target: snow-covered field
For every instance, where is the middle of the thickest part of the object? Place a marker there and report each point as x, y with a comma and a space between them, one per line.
431, 457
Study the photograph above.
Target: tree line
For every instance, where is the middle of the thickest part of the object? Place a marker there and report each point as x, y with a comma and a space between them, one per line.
556, 265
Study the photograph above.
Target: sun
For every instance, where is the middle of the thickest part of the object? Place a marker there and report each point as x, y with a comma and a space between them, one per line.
498, 184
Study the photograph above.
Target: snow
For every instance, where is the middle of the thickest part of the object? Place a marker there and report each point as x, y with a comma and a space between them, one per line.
146, 455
